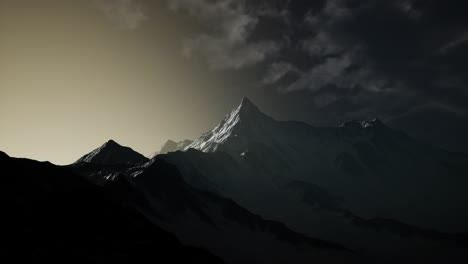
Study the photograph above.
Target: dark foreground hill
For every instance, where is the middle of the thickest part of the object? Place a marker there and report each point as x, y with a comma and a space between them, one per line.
49, 214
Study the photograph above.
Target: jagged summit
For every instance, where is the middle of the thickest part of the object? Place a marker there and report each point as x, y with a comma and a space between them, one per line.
247, 110
245, 121
111, 153
247, 106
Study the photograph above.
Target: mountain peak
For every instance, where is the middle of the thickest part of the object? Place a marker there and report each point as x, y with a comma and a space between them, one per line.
112, 153
245, 101
168, 146
246, 106
111, 142
245, 122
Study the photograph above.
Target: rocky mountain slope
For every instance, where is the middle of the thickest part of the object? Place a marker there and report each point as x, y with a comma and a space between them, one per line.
207, 220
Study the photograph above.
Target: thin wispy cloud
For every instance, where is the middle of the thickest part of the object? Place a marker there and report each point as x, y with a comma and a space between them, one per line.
127, 14
458, 41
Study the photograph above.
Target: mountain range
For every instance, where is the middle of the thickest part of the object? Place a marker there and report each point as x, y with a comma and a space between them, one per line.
362, 184
257, 190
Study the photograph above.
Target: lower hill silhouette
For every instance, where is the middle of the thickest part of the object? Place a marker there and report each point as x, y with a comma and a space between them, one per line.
51, 214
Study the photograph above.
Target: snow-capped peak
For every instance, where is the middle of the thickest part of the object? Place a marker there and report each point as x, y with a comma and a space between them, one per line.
247, 110
246, 119
247, 107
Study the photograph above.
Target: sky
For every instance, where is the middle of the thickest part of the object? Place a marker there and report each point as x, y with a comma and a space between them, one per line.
74, 74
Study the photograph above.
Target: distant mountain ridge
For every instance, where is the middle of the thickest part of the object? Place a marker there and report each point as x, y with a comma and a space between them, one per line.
171, 146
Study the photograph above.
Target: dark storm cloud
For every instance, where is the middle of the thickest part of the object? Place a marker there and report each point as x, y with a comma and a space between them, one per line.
227, 42
354, 58
412, 52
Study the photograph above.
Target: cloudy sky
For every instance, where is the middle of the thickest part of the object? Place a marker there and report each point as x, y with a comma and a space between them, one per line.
76, 73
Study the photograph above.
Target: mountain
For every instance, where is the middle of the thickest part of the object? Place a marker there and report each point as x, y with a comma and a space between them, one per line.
207, 220
335, 182
364, 157
111, 153
250, 190
243, 124
50, 214
358, 192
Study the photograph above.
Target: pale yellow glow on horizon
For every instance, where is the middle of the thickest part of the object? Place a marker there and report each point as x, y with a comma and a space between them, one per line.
70, 80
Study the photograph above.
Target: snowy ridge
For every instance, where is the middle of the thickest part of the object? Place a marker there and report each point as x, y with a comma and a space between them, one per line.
246, 125
242, 119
